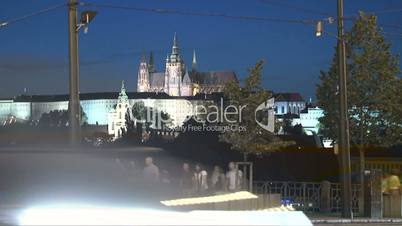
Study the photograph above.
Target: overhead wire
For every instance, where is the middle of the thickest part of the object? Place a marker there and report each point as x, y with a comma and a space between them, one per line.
214, 14
29, 15
194, 13
307, 10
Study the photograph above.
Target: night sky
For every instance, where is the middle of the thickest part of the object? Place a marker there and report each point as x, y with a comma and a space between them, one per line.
34, 52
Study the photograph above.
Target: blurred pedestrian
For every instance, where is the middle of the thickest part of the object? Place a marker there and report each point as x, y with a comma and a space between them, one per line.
384, 183
200, 180
165, 177
393, 183
186, 182
217, 180
151, 171
233, 178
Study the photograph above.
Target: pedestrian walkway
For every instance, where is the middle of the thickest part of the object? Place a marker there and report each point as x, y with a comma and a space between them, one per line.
332, 220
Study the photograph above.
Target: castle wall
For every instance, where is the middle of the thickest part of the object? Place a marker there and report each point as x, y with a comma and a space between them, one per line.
96, 110
38, 108
5, 109
21, 110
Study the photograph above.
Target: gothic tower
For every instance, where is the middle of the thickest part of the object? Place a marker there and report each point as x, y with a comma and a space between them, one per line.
174, 70
143, 84
151, 64
186, 86
194, 63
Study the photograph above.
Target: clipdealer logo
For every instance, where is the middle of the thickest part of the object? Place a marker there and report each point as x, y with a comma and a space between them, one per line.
268, 108
215, 117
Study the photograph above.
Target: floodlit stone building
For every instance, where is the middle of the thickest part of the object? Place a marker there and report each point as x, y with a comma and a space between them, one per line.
177, 80
289, 103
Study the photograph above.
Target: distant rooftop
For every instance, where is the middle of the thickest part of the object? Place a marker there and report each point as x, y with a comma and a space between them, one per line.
212, 77
112, 96
288, 97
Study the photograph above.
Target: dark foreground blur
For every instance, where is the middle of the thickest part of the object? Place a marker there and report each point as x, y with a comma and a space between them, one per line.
48, 176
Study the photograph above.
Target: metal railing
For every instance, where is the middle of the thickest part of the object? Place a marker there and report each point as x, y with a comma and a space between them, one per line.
306, 196
336, 197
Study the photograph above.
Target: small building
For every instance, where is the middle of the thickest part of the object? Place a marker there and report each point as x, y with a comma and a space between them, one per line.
289, 103
309, 119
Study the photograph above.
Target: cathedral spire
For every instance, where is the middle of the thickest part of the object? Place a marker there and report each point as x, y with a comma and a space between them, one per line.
175, 56
194, 64
174, 40
123, 88
151, 65
151, 58
143, 75
143, 58
122, 95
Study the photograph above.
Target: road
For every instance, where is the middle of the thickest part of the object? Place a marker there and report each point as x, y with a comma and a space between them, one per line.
360, 224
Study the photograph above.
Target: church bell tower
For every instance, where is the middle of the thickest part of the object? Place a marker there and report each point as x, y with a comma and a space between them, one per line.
143, 84
174, 70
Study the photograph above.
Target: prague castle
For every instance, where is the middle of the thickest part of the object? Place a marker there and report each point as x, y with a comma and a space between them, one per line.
175, 91
177, 80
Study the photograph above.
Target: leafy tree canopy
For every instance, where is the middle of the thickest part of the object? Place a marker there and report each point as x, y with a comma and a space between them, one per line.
373, 85
254, 139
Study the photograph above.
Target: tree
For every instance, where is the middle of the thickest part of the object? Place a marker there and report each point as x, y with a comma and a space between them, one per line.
150, 117
54, 118
139, 111
59, 118
373, 90
254, 139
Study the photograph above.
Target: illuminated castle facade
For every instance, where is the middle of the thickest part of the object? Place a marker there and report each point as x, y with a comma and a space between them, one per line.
177, 80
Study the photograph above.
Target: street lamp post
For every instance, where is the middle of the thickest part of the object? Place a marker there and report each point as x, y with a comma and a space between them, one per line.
74, 101
344, 145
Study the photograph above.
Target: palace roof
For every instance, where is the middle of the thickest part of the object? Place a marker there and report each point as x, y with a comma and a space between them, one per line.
212, 77
289, 97
112, 96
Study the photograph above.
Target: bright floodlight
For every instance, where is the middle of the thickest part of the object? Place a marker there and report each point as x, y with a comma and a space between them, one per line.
241, 195
3, 24
319, 27
127, 216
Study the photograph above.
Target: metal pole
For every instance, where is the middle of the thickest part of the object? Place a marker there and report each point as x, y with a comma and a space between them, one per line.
74, 102
344, 146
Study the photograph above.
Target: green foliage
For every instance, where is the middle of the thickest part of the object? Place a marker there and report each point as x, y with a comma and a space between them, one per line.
54, 118
59, 118
255, 139
140, 112
374, 99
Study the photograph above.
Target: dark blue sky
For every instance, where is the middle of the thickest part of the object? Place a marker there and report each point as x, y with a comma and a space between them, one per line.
34, 52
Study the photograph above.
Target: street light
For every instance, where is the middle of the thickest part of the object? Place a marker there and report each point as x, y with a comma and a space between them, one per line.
344, 145
86, 18
319, 27
74, 100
